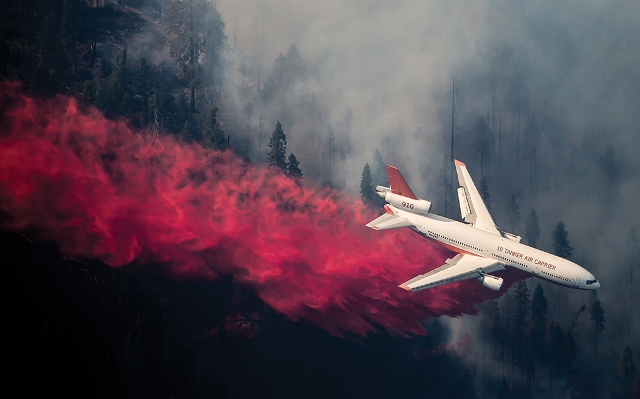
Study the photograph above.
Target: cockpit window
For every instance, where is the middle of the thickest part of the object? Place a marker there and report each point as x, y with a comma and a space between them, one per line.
589, 282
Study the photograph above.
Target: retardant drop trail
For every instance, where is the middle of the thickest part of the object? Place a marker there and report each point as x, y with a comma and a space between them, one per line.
102, 190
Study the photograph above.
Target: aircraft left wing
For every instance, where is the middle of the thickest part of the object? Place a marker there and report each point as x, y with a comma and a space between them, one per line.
472, 207
460, 267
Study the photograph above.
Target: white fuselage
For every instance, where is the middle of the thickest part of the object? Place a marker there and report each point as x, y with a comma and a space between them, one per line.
466, 239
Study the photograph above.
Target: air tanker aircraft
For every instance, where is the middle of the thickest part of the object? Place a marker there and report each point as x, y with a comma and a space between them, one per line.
482, 248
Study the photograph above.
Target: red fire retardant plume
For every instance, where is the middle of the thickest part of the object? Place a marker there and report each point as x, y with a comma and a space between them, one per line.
102, 190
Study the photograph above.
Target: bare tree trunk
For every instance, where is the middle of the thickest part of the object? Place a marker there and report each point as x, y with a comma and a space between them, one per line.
193, 99
192, 61
630, 324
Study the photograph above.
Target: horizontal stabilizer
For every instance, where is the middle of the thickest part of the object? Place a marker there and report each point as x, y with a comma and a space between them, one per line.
389, 221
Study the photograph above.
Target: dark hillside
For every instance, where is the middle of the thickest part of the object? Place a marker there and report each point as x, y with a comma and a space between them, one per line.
88, 330
56, 45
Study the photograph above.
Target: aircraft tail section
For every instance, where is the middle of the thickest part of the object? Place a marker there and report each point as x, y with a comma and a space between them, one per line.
398, 184
400, 195
389, 220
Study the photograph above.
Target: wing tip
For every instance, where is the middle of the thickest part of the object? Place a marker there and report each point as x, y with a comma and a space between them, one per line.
459, 162
404, 287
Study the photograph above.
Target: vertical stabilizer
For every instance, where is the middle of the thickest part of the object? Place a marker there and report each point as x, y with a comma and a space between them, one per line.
398, 184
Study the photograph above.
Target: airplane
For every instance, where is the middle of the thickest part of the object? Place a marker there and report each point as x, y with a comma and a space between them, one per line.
481, 247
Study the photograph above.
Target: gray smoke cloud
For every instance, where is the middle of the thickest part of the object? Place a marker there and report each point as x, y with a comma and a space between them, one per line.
392, 65
382, 61
573, 65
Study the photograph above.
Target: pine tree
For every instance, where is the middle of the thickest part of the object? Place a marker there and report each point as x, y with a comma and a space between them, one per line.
503, 390
214, 134
69, 31
490, 316
379, 170
484, 192
110, 90
277, 155
519, 308
144, 82
348, 117
635, 394
571, 352
532, 230
171, 112
536, 330
513, 212
626, 366
561, 245
539, 306
597, 315
190, 131
367, 193
521, 304
214, 45
557, 349
188, 31
328, 154
484, 141
278, 74
632, 261
293, 168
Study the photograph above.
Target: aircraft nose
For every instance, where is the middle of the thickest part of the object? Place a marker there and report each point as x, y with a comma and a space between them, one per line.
591, 283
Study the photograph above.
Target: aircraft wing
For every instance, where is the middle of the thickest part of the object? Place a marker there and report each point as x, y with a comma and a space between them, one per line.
472, 207
460, 267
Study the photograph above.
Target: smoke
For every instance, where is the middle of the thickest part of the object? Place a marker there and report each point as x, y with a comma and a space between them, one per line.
101, 190
378, 62
574, 65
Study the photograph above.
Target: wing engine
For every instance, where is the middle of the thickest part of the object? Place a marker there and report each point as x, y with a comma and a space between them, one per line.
492, 282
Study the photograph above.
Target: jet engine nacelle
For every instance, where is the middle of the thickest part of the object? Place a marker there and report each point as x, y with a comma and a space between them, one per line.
490, 281
404, 203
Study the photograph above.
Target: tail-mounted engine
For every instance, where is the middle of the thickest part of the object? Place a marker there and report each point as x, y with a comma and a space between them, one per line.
407, 204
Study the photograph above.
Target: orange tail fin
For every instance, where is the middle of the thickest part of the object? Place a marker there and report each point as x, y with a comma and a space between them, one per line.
397, 183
